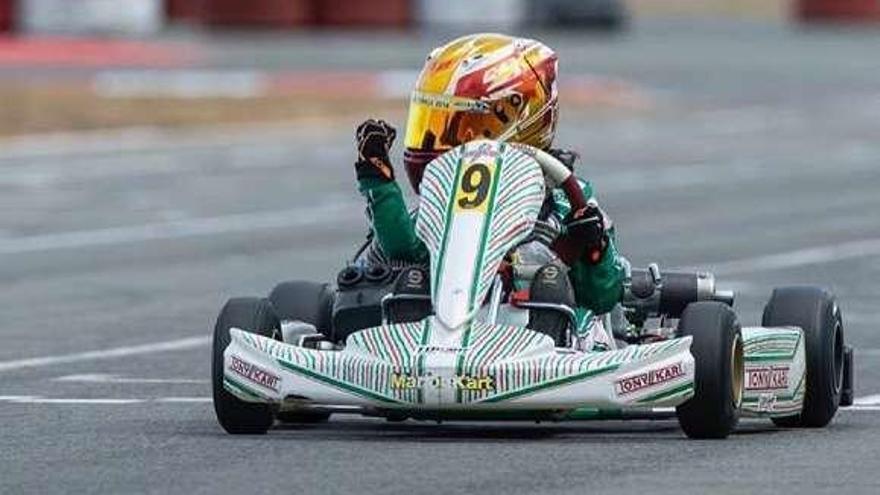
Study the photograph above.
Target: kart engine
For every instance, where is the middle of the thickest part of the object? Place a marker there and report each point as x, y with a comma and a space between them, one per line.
648, 293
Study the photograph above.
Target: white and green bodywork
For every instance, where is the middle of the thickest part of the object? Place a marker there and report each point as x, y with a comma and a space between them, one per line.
477, 203
775, 371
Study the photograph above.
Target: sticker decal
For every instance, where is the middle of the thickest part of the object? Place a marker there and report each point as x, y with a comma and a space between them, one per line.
473, 189
254, 373
766, 402
767, 378
400, 381
635, 383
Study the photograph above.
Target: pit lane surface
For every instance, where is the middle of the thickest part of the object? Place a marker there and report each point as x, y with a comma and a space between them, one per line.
759, 156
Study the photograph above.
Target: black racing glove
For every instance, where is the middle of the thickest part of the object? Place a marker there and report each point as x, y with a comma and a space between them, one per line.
586, 229
374, 140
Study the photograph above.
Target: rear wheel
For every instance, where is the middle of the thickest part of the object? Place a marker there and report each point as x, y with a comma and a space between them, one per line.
253, 315
717, 348
306, 301
815, 311
309, 302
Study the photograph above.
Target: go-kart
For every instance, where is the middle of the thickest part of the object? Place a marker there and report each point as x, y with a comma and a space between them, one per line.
478, 335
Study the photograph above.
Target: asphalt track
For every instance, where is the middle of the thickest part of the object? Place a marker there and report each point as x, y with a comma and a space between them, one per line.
758, 157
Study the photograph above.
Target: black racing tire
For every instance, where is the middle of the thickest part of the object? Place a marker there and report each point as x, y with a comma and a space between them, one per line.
815, 311
235, 415
309, 302
717, 347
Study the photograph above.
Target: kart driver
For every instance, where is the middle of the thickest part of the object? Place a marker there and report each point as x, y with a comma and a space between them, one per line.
497, 87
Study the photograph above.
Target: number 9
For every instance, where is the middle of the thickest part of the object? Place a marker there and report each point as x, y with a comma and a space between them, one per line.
475, 184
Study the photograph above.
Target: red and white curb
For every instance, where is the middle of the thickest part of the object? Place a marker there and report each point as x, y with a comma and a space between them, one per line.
79, 52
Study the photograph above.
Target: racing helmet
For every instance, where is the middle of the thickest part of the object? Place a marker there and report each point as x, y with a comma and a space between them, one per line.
481, 86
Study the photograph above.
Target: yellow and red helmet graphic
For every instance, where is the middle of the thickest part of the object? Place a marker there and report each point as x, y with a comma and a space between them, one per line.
483, 86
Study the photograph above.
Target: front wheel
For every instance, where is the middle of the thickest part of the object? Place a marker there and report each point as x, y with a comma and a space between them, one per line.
717, 348
252, 315
815, 311
309, 302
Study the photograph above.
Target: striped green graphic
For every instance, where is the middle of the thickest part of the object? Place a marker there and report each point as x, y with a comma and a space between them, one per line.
518, 361
774, 347
770, 344
513, 205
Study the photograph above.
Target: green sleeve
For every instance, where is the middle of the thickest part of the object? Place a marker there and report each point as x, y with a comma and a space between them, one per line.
599, 286
392, 224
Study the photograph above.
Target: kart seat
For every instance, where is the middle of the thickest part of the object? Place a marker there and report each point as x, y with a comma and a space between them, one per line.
410, 300
551, 298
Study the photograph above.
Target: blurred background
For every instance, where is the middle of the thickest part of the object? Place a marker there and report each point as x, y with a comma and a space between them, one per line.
715, 120
140, 136
84, 64
160, 156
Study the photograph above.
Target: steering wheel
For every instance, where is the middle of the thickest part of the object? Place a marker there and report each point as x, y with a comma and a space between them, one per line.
567, 250
558, 173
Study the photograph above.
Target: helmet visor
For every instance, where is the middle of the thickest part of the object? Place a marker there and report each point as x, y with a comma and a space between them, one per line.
439, 122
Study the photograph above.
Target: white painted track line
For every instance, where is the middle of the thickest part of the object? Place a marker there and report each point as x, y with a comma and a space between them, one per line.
184, 400
141, 139
859, 406
302, 217
868, 400
116, 352
35, 399
246, 222
87, 401
106, 378
868, 353
799, 257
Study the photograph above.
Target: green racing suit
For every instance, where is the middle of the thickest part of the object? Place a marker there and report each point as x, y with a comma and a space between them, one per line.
597, 286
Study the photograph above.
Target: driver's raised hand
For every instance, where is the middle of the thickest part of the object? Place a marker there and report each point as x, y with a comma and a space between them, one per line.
586, 227
374, 139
